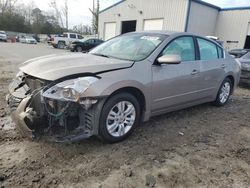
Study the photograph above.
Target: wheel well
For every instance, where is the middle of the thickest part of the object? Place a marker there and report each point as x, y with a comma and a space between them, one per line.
61, 41
136, 93
232, 79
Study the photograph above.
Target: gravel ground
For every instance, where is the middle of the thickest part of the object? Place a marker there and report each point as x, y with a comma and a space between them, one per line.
203, 146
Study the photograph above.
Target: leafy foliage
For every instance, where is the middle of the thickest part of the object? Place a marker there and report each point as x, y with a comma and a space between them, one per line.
27, 19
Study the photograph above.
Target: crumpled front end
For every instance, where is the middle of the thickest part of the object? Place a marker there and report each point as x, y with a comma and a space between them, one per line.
38, 110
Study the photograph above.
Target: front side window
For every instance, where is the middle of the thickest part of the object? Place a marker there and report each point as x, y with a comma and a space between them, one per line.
91, 41
72, 36
208, 50
182, 46
134, 47
79, 36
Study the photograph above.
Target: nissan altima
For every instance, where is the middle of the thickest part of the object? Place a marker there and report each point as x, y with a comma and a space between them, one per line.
122, 82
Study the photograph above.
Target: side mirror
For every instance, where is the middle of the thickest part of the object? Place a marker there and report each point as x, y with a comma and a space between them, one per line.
169, 59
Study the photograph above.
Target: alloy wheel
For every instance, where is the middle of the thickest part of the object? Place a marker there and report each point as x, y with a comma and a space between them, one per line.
121, 118
225, 92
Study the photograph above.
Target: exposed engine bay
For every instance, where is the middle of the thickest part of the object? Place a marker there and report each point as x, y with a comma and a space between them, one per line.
53, 109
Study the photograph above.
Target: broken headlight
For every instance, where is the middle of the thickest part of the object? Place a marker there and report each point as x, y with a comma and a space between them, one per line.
70, 90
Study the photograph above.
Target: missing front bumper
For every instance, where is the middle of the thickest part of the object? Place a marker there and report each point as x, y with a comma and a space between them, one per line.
57, 129
19, 115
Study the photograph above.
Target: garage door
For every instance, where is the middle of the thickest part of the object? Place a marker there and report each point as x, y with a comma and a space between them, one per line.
110, 30
155, 24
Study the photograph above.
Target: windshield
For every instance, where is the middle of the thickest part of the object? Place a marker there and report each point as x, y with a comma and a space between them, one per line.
83, 40
133, 47
1, 32
246, 56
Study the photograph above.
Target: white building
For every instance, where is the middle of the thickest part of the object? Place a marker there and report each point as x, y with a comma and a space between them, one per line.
231, 25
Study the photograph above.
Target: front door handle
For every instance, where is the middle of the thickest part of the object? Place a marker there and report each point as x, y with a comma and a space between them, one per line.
194, 72
223, 66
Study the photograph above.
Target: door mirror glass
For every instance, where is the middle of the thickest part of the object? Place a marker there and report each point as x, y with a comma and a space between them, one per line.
169, 59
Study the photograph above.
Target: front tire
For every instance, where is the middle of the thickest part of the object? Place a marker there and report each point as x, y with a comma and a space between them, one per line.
119, 116
78, 49
224, 93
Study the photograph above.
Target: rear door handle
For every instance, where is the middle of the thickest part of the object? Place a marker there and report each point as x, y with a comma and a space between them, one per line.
194, 72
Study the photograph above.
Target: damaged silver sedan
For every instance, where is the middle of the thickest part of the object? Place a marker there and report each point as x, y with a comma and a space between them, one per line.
120, 83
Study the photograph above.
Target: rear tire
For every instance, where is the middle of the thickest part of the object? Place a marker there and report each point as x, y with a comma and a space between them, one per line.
119, 116
61, 45
224, 93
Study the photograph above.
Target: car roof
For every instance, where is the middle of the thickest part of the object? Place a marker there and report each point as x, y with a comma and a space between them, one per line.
169, 33
158, 32
175, 34
72, 33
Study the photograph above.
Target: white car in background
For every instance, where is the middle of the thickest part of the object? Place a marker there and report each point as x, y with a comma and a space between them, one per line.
3, 36
27, 39
64, 40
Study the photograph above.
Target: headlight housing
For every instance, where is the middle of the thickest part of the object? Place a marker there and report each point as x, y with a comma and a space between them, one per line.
245, 66
20, 74
70, 90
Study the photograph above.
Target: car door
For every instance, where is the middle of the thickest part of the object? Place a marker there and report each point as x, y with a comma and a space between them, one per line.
72, 38
176, 84
90, 44
212, 67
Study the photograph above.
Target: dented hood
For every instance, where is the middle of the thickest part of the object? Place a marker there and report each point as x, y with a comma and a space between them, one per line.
56, 66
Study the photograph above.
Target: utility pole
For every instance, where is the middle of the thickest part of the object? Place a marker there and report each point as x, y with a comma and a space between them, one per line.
67, 14
93, 17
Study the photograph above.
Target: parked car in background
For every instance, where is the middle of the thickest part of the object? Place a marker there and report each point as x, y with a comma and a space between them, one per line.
84, 45
27, 39
61, 41
237, 53
120, 83
36, 37
245, 68
50, 38
217, 39
3, 36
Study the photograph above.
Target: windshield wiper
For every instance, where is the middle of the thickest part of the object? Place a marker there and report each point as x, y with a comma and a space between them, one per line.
102, 55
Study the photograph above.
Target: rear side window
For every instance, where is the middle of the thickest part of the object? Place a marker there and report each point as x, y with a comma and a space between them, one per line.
182, 46
208, 50
72, 36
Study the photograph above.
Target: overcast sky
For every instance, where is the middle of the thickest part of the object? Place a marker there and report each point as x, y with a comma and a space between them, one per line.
229, 3
79, 9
